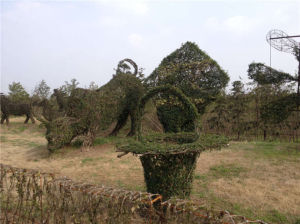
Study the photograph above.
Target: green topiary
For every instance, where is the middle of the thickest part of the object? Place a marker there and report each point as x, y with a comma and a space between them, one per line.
86, 111
169, 175
197, 75
263, 74
169, 159
8, 107
190, 111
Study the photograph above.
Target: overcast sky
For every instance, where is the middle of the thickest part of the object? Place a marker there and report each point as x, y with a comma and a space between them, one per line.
60, 40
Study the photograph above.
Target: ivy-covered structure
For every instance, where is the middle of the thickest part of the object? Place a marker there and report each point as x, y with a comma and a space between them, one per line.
196, 74
169, 159
85, 111
14, 108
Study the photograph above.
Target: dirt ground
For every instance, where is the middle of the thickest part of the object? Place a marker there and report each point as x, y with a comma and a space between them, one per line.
258, 180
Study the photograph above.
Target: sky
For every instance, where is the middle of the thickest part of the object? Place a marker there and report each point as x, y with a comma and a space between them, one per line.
56, 41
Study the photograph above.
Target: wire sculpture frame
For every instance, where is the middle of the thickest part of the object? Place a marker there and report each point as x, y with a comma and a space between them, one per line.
276, 39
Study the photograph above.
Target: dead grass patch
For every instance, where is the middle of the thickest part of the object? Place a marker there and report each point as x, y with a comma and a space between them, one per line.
259, 180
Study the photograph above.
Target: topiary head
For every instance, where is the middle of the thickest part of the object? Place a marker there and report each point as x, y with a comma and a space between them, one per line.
60, 132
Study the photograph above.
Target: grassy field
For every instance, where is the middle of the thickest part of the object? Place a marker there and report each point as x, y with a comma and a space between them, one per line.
260, 180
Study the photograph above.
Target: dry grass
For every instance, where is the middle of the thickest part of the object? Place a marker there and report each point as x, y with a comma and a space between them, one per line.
259, 180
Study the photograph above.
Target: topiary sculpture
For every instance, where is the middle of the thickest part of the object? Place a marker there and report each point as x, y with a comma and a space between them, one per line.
196, 74
86, 111
169, 159
9, 108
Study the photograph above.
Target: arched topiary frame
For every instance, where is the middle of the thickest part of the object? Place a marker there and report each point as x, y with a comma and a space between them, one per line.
192, 112
133, 64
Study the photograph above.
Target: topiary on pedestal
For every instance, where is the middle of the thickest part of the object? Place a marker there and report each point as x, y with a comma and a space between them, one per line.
169, 159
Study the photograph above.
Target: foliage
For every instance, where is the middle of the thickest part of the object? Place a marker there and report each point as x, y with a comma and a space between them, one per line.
124, 68
263, 74
48, 108
169, 175
173, 143
68, 87
238, 107
170, 121
85, 111
270, 87
172, 138
17, 93
251, 112
194, 72
219, 113
61, 99
93, 86
14, 108
61, 132
279, 110
169, 160
42, 90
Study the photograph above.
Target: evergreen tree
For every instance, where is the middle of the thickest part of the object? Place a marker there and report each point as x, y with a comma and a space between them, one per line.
238, 107
219, 116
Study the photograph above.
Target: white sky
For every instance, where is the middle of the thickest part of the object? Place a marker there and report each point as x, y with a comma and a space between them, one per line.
60, 40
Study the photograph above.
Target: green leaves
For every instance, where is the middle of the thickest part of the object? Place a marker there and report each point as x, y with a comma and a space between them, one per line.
42, 90
183, 119
198, 76
169, 143
263, 74
278, 110
193, 71
17, 93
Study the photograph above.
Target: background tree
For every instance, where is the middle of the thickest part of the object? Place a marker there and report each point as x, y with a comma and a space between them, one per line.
196, 74
268, 89
238, 106
93, 86
42, 90
218, 115
69, 86
17, 93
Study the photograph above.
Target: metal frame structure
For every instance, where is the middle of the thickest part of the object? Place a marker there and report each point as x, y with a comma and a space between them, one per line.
283, 42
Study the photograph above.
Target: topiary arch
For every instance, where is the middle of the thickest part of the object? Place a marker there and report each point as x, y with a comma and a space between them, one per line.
123, 65
191, 110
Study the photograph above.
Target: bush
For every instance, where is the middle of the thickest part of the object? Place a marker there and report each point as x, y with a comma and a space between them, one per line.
169, 160
169, 174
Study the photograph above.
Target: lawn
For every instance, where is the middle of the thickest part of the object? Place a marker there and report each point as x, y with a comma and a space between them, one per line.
260, 180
